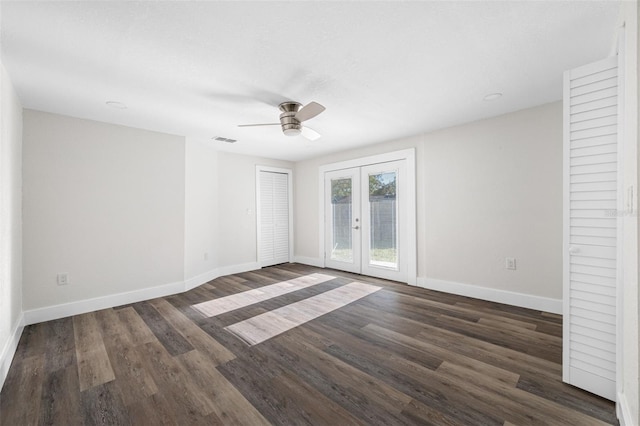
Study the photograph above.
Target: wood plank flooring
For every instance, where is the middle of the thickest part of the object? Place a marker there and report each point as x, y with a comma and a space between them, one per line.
397, 356
270, 324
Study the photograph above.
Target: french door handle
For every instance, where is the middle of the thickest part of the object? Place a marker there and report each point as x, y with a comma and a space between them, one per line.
356, 227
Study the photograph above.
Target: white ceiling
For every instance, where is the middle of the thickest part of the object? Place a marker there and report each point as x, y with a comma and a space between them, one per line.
384, 70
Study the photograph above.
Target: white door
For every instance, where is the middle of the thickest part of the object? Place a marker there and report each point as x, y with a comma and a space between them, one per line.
591, 227
274, 218
343, 224
366, 220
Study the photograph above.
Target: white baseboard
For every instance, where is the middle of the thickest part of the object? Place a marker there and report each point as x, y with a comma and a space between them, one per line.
311, 261
523, 300
49, 313
623, 411
237, 269
9, 350
219, 272
198, 280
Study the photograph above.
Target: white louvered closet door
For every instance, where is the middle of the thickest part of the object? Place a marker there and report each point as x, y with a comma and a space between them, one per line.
591, 228
274, 218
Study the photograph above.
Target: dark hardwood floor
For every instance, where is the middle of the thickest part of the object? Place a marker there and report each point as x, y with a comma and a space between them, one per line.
402, 355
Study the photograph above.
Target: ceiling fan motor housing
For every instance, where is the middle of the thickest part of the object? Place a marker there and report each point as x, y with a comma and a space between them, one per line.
290, 125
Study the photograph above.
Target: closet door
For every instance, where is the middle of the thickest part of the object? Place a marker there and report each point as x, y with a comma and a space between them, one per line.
591, 227
274, 218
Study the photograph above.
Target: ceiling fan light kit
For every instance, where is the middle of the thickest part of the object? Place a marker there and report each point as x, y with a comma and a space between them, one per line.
292, 117
290, 125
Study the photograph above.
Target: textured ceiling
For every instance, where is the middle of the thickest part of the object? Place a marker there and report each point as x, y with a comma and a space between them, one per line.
384, 70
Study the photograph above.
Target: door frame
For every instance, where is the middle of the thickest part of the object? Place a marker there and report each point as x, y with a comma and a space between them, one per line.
289, 173
621, 263
627, 212
406, 154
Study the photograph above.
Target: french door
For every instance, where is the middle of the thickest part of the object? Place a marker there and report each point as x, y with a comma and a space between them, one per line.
365, 224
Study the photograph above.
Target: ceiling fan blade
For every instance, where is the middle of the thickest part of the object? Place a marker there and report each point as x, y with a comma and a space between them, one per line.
310, 134
309, 111
254, 125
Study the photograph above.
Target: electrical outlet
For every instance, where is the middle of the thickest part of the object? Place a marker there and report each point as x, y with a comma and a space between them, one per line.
206, 255
63, 278
509, 263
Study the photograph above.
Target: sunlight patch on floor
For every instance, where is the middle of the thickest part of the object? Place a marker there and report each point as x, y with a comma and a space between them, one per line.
270, 324
232, 302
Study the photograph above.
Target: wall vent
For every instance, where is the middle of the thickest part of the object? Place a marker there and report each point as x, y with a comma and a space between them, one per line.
221, 139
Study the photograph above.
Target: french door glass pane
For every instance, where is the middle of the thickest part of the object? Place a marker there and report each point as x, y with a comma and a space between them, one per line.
383, 250
341, 199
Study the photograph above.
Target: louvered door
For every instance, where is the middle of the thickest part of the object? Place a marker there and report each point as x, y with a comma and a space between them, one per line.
274, 218
281, 218
591, 226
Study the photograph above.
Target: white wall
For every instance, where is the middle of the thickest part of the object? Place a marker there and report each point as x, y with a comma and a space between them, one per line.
485, 191
220, 211
494, 190
237, 234
10, 222
129, 214
103, 203
201, 211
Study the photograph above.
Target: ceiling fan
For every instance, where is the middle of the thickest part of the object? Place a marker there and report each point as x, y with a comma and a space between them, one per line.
291, 118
